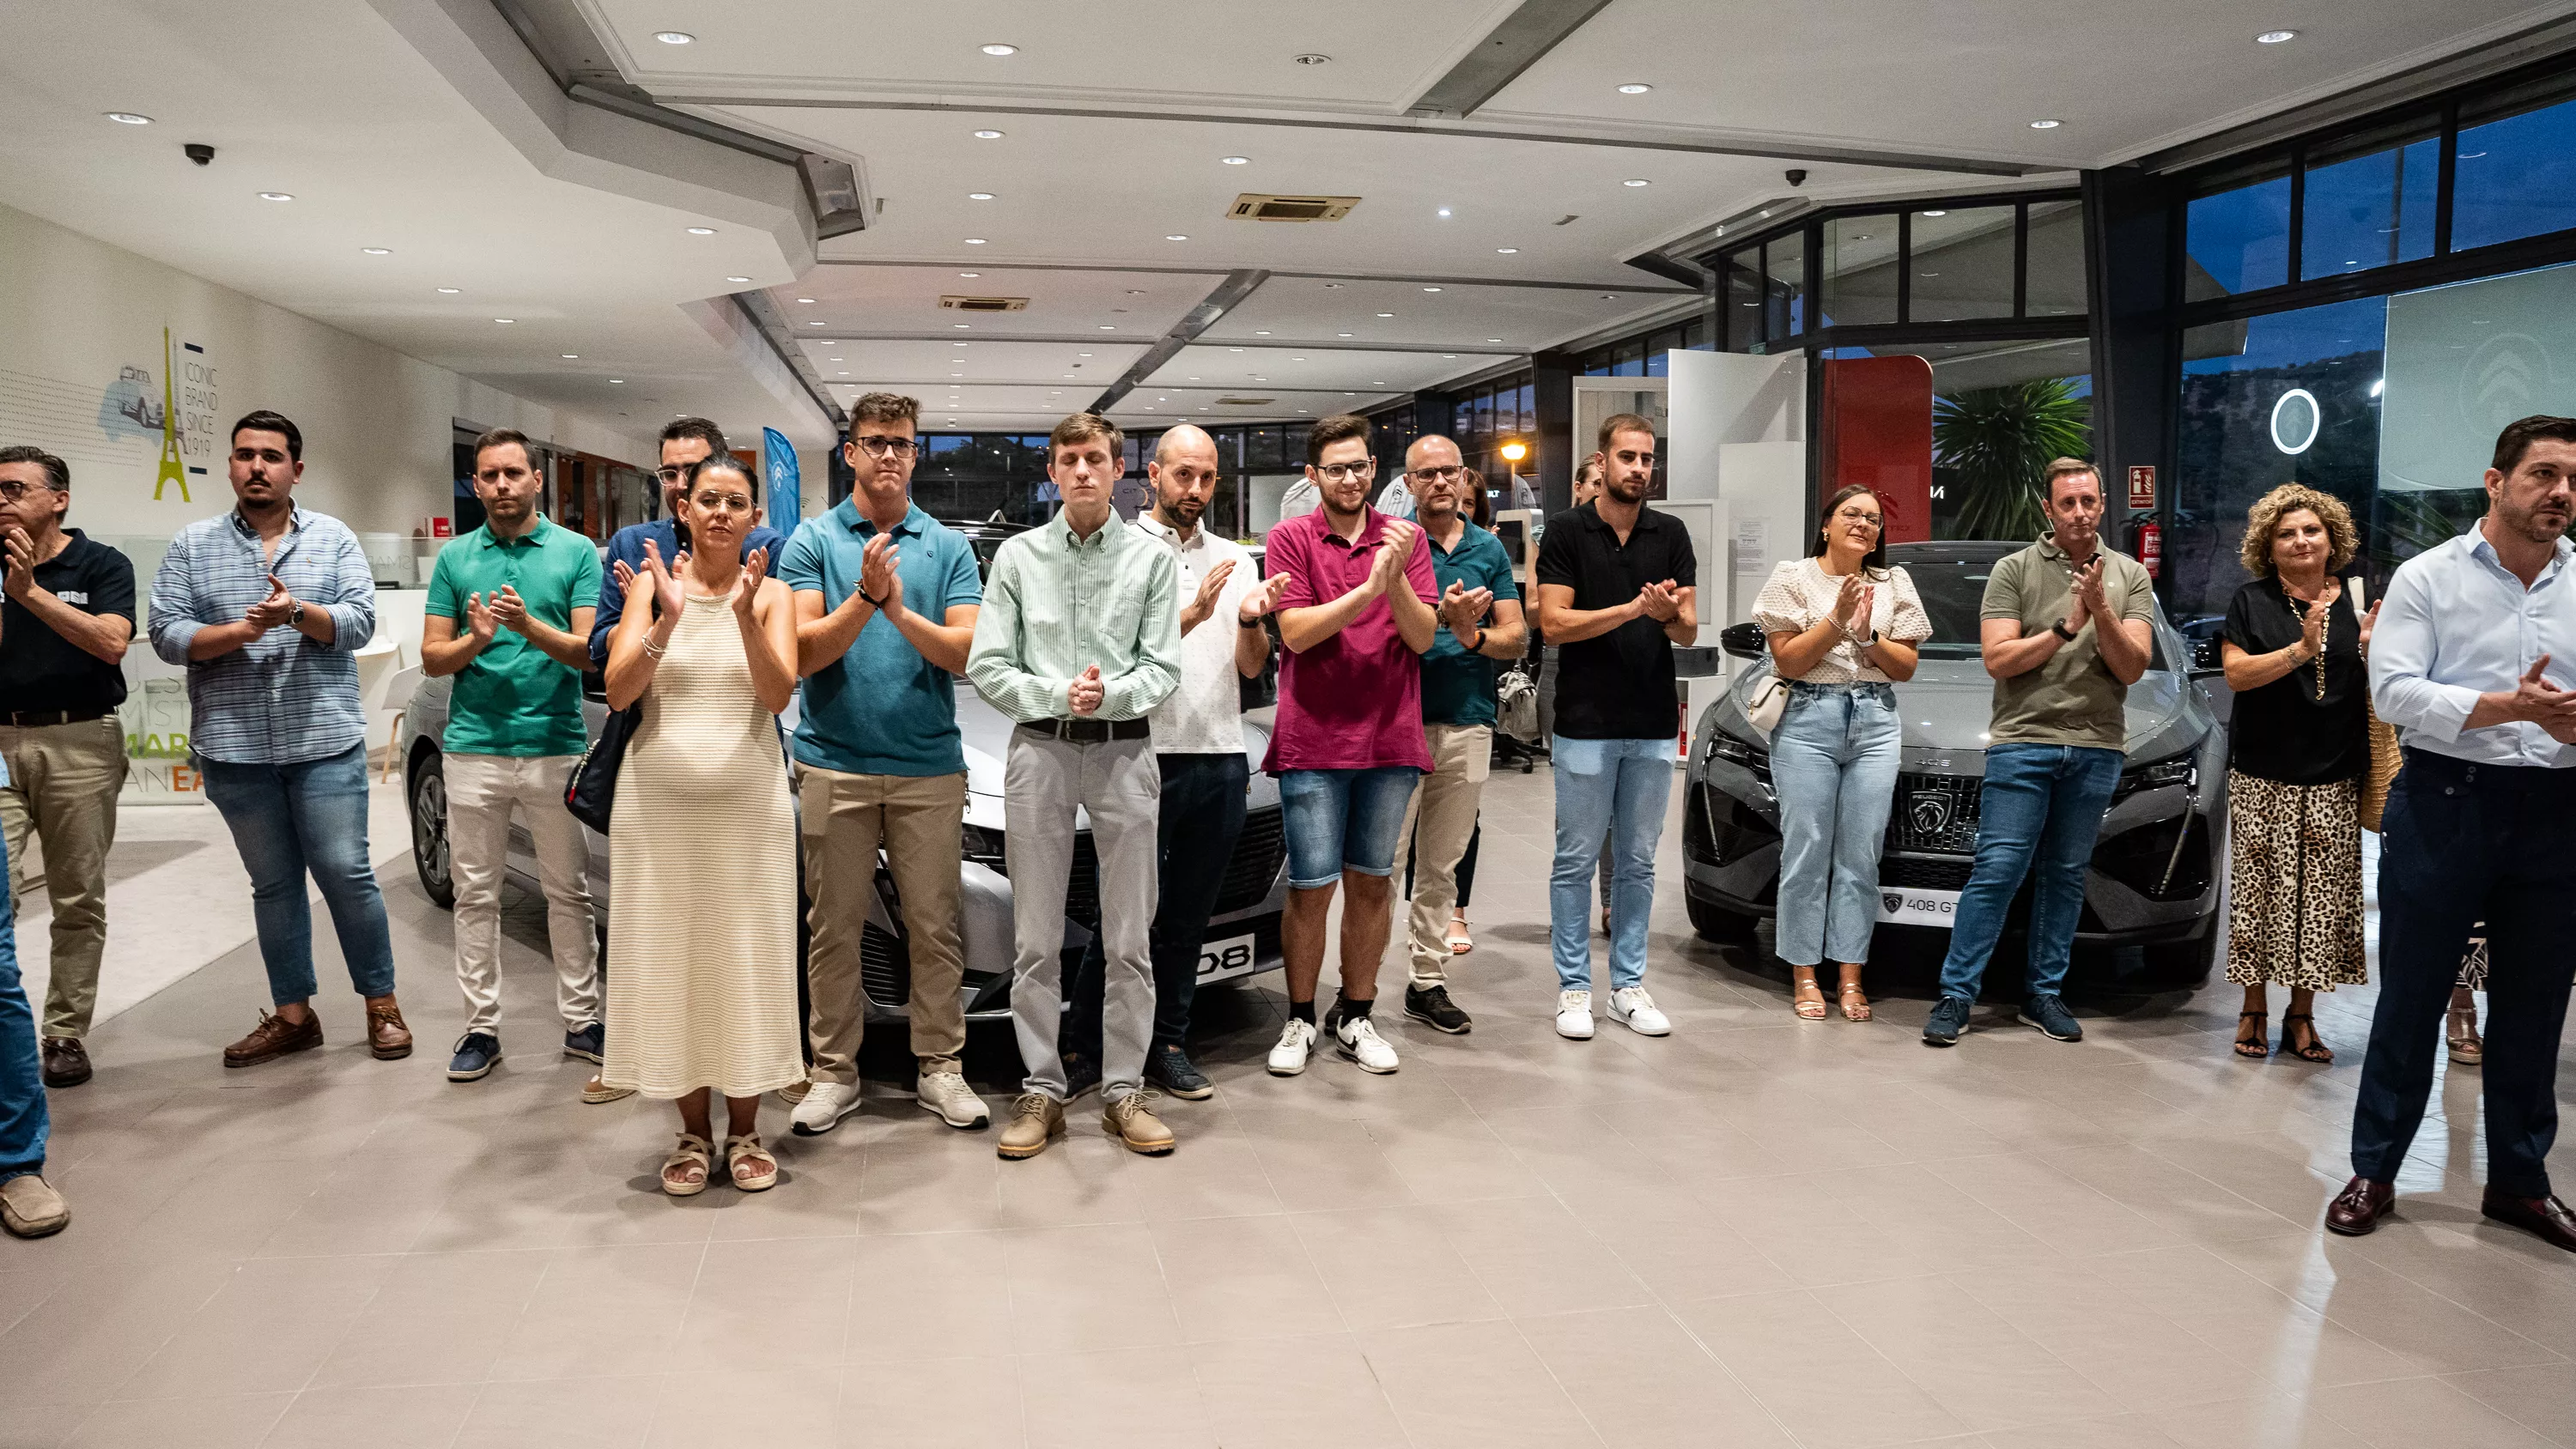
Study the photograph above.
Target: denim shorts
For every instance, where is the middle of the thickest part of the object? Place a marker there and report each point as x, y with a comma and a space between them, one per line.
1338, 820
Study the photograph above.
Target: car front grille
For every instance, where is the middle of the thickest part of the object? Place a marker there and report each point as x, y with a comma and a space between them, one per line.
1935, 814
1910, 872
885, 966
1258, 854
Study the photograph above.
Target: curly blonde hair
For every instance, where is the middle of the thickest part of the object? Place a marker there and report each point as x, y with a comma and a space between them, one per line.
2264, 518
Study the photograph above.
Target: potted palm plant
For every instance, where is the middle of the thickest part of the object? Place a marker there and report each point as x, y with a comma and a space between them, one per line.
1996, 442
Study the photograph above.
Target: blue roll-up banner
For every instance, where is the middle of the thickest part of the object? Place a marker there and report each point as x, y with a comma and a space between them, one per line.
786, 495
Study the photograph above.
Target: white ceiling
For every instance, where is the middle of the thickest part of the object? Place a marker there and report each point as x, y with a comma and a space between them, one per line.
364, 111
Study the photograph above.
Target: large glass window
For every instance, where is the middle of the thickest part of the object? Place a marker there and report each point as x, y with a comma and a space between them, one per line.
1960, 265
2055, 265
1784, 269
1739, 301
2369, 200
2517, 168
2000, 412
2237, 236
1860, 266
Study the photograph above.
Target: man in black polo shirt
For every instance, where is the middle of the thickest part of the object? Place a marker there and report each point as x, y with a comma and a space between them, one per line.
66, 618
1617, 589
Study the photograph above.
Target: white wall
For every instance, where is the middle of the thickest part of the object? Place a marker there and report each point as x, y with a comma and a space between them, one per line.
1739, 429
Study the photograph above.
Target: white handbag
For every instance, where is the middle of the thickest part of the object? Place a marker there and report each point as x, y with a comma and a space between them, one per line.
1770, 700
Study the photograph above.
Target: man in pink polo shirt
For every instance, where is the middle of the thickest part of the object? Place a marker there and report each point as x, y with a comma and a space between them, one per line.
1357, 611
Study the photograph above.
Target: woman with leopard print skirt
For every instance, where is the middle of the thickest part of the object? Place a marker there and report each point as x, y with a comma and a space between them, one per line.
2294, 652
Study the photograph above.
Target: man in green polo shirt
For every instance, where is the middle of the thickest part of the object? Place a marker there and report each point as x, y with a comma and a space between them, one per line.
1480, 622
509, 616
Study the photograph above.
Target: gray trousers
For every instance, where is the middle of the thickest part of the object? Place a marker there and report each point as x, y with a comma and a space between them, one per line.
1120, 786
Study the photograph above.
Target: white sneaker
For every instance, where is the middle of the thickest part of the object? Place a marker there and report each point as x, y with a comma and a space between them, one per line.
956, 1104
1574, 1015
824, 1107
1296, 1041
1361, 1043
1633, 1008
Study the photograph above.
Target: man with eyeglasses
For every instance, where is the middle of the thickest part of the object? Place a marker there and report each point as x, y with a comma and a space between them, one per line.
1480, 623
1356, 614
65, 622
684, 441
1616, 591
886, 601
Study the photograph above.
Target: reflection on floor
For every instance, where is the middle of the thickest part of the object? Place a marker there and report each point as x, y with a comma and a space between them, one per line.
1755, 1232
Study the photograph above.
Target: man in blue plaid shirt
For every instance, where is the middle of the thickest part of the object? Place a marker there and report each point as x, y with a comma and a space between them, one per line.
266, 605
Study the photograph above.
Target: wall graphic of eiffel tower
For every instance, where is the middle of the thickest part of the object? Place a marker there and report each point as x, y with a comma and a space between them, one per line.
173, 468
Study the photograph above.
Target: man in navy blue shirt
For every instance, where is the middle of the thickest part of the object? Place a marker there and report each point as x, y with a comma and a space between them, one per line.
684, 441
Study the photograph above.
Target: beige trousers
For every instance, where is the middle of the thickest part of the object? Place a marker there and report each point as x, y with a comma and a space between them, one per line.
919, 821
482, 790
63, 782
1444, 812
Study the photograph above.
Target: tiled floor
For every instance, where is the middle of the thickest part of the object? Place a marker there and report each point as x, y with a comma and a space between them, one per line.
1754, 1232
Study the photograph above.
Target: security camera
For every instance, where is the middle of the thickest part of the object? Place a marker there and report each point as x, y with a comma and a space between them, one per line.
1796, 176
200, 152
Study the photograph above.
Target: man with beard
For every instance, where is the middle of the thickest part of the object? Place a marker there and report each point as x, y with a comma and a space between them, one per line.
2474, 661
2067, 628
1617, 589
684, 441
1198, 745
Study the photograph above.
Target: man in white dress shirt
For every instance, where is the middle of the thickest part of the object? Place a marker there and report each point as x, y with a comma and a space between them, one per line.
2474, 661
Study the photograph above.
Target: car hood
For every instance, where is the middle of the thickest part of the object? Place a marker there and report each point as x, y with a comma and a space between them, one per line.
1948, 704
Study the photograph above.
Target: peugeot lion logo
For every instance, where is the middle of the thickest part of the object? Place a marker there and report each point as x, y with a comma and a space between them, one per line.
1891, 900
1931, 814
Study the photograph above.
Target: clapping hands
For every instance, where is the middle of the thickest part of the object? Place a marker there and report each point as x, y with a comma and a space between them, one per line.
1262, 600
1461, 607
273, 610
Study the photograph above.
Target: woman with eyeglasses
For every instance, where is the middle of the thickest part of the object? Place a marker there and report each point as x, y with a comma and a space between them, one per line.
1843, 626
702, 891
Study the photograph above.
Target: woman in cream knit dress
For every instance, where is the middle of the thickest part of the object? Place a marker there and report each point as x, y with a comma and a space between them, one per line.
702, 839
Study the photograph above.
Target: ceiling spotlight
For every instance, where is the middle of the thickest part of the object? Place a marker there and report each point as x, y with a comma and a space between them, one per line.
1506, 251
277, 196
1337, 334
808, 301
737, 280
1082, 354
2275, 37
961, 326
1431, 289
1493, 339
997, 48
1312, 58
1108, 326
1635, 88
505, 321
1449, 357
1260, 332
2046, 125
702, 231
970, 274
447, 291
813, 324
1176, 236
1238, 349
1936, 213
979, 196
1636, 181
974, 241
673, 37
377, 251
1332, 286
568, 356
1236, 160
952, 344
1386, 314
129, 118
618, 380
988, 135
1444, 211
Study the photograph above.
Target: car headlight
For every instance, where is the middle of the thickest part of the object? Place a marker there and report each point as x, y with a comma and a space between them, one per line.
983, 845
1724, 746
2181, 770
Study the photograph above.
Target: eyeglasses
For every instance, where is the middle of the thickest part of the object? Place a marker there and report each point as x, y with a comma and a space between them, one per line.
1345, 472
876, 446
670, 476
729, 502
1437, 475
11, 490
1848, 516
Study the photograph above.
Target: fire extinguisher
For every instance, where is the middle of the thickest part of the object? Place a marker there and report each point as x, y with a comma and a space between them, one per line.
2151, 549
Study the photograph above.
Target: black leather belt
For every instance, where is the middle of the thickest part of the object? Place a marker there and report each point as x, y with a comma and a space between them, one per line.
25, 719
1089, 731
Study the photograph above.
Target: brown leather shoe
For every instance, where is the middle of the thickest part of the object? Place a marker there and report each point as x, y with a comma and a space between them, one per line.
2545, 1218
66, 1063
2359, 1207
274, 1037
387, 1037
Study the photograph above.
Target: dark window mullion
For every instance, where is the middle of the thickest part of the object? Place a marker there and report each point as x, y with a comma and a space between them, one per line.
2298, 210
2448, 174
1904, 267
1812, 281
2021, 259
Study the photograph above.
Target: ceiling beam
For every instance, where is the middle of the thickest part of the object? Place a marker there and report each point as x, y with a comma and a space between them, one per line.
772, 327
1138, 269
1094, 339
1519, 42
1236, 286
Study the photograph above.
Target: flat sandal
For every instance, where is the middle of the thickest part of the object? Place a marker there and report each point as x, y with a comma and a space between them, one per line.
747, 1149
2253, 1048
693, 1151
1855, 1002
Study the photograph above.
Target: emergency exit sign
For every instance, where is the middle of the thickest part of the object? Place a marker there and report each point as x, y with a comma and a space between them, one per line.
2142, 485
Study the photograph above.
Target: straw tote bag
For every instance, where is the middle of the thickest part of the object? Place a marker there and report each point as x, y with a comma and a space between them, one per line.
2384, 760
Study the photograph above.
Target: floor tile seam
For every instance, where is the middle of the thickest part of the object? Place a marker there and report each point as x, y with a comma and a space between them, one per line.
2362, 1430
2403, 1276
1571, 1402
167, 1338
1930, 1390
1736, 1377
2498, 1409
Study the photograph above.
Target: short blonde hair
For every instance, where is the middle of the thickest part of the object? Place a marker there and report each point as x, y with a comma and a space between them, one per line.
2264, 519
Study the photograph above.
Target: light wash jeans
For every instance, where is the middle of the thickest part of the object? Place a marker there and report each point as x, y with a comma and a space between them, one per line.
1619, 787
2038, 815
1833, 762
287, 819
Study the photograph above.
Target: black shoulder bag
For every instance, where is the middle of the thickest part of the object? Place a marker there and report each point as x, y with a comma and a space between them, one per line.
593, 791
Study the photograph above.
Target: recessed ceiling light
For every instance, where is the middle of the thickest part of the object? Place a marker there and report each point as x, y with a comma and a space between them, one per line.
568, 356
808, 301
844, 372
988, 135
277, 196
1609, 296
1194, 379
1238, 349
813, 324
979, 196
2275, 37
447, 291
505, 321
129, 118
961, 326
1176, 236
997, 48
673, 37
1312, 58
970, 274
1108, 326
1506, 251
1260, 332
1067, 376
2046, 125
617, 380
1635, 88
956, 344
1636, 181
1936, 213
1444, 211
974, 241
1431, 289
737, 280
1082, 354
377, 251
1337, 334
1296, 359
1449, 357
1493, 339
1236, 160
702, 231
1386, 314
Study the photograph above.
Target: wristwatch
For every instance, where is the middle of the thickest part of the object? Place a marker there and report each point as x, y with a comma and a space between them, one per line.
2061, 631
1479, 646
295, 615
873, 601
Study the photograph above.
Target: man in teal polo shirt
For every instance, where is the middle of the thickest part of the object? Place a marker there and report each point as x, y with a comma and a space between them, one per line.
523, 591
1480, 622
886, 601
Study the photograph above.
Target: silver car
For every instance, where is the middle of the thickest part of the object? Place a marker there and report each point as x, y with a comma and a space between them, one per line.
2156, 871
1242, 937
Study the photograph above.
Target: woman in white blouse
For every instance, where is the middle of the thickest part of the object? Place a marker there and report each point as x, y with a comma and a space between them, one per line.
1843, 626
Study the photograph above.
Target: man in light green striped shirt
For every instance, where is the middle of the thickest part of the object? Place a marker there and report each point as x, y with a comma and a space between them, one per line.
1080, 635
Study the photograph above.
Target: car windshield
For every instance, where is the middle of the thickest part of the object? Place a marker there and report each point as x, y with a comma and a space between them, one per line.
1953, 593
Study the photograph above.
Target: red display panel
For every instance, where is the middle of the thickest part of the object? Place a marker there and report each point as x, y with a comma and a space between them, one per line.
1876, 429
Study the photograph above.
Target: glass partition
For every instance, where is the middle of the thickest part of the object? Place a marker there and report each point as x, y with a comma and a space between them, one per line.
2517, 166
2369, 200
1960, 264
1859, 255
2237, 237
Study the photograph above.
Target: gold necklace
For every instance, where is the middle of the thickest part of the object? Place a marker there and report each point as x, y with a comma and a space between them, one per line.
2300, 607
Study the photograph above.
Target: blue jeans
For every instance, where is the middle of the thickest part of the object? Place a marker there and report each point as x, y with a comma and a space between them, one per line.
2043, 805
1833, 761
1617, 787
287, 819
24, 1124
1340, 820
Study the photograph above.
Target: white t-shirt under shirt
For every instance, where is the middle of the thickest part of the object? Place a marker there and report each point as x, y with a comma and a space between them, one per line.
1204, 716
1800, 594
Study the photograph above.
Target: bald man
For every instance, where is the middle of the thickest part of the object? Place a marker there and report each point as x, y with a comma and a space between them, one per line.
1198, 743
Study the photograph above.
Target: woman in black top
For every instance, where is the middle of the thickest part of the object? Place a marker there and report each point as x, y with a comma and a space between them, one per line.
2300, 744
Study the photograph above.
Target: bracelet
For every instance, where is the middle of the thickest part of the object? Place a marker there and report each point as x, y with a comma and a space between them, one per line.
1479, 646
873, 601
653, 650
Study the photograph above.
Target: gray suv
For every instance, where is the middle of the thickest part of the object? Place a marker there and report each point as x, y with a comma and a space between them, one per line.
1242, 938
2155, 874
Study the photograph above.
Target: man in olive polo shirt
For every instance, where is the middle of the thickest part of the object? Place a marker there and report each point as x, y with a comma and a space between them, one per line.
2067, 629
509, 616
886, 601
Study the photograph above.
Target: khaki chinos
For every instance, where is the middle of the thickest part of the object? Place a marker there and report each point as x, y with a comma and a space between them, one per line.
63, 783
919, 821
1443, 811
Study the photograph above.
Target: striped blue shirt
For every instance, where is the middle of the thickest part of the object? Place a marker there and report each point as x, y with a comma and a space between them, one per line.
282, 698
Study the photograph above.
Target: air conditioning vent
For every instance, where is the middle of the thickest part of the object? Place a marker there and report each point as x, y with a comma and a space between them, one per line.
985, 304
1249, 207
1245, 402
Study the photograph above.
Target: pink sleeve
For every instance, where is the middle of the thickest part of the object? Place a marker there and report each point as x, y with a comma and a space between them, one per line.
1417, 569
1286, 554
